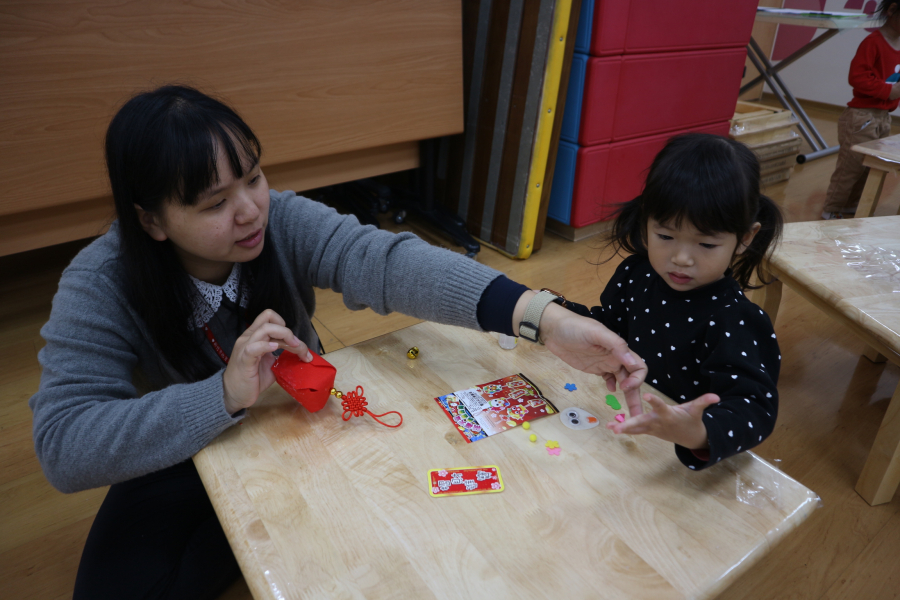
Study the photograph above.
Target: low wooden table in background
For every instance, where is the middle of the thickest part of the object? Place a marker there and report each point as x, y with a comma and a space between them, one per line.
882, 157
314, 506
850, 269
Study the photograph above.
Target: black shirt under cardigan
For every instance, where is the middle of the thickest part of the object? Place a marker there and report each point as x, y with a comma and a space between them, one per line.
709, 339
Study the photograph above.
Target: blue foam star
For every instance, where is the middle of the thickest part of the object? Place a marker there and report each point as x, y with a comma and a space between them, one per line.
571, 387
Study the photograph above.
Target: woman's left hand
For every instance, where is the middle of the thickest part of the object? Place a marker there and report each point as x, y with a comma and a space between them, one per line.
589, 346
681, 424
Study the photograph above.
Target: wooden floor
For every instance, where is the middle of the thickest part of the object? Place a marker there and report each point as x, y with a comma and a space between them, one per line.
833, 400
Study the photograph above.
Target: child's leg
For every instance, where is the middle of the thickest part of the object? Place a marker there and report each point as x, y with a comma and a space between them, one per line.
855, 126
884, 124
156, 536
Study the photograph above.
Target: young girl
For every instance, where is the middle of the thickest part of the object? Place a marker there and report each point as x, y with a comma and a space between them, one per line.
875, 78
163, 330
696, 234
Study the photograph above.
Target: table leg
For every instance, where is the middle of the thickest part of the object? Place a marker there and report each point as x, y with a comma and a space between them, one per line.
770, 74
881, 474
871, 193
768, 298
874, 355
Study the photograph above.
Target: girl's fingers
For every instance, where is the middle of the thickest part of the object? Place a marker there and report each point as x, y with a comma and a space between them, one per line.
258, 349
628, 428
641, 420
266, 316
696, 406
281, 335
656, 403
707, 400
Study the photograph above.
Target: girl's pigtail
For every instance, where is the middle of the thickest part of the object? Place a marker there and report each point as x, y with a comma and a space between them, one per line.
771, 223
626, 232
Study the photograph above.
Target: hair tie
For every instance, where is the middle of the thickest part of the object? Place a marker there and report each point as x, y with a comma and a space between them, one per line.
354, 405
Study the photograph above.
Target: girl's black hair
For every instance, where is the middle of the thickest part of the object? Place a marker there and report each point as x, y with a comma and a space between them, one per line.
162, 147
710, 182
884, 7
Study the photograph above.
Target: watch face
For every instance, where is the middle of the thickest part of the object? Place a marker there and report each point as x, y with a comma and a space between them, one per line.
560, 299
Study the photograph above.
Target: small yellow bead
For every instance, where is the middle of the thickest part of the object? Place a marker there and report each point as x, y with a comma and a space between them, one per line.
532, 437
338, 395
333, 391
412, 352
526, 425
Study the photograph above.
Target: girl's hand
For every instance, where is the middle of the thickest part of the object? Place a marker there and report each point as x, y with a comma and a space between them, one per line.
249, 371
590, 347
681, 424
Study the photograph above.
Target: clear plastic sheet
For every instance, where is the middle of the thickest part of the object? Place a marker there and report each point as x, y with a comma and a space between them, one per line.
752, 481
761, 485
874, 262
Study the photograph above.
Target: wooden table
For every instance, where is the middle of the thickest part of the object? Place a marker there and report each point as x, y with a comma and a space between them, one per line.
882, 157
851, 270
317, 507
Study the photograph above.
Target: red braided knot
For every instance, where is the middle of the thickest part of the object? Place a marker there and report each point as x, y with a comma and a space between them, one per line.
355, 405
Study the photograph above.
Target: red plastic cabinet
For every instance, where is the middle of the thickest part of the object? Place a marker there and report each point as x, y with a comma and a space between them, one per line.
639, 26
645, 94
609, 174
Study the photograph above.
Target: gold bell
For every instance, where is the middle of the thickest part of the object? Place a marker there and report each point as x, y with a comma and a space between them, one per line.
413, 352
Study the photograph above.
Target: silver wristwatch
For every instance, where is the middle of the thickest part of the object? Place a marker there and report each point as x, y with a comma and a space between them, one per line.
529, 328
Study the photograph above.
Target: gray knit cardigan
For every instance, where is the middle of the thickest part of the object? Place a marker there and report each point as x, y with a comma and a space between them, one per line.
92, 427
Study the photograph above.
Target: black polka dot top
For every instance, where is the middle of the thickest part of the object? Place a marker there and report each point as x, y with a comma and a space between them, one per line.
710, 339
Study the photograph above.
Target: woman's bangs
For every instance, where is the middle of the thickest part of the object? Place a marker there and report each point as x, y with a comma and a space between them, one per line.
195, 159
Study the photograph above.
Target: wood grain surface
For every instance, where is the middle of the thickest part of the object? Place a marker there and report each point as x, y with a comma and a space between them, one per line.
318, 507
316, 78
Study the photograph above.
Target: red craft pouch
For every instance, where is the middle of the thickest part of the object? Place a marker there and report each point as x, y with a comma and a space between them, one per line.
308, 383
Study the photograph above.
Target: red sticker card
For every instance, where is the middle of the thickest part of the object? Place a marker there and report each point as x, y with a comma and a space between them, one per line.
466, 480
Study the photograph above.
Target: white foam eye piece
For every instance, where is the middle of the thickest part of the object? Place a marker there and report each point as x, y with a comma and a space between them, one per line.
578, 418
896, 68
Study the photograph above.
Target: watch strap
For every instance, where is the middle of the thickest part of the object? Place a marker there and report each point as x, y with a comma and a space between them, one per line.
529, 326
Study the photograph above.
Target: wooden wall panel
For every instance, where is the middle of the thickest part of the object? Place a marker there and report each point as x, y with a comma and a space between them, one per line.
313, 78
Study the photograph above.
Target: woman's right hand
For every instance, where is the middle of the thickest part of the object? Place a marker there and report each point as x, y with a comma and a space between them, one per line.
249, 370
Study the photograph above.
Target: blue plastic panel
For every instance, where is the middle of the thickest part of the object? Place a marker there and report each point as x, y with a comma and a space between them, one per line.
563, 182
585, 26
574, 95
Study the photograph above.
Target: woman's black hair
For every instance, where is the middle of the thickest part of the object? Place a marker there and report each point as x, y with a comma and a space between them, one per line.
707, 181
162, 147
882, 12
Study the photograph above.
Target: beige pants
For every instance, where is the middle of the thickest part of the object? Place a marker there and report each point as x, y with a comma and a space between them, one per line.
856, 125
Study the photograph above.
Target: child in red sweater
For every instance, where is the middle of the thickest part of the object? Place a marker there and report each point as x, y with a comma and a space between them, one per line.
875, 78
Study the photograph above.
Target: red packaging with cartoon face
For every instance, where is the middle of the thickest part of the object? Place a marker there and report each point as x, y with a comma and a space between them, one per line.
308, 383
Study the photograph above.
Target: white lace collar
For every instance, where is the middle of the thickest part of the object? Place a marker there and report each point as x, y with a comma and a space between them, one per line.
209, 298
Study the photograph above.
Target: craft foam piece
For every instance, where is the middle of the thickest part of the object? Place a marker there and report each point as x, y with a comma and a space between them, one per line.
571, 387
553, 451
308, 383
552, 444
613, 402
620, 418
526, 425
578, 418
532, 437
